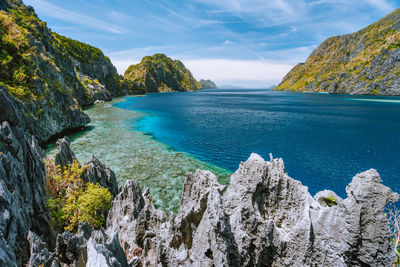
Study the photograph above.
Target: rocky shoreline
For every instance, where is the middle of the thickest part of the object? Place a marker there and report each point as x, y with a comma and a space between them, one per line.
263, 218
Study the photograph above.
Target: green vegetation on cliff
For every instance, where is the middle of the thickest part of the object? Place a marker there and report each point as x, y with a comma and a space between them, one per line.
207, 84
364, 62
17, 68
159, 73
35, 60
71, 200
52, 76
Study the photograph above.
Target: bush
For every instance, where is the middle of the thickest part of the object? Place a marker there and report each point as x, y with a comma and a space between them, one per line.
330, 201
71, 200
90, 206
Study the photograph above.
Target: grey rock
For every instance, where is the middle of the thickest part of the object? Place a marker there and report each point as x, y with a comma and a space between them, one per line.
265, 218
22, 195
103, 250
71, 249
89, 248
65, 155
98, 173
124, 212
95, 171
40, 255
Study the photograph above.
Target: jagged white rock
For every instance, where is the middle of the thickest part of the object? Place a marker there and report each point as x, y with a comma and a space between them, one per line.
265, 218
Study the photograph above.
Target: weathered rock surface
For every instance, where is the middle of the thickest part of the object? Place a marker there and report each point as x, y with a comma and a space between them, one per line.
95, 172
65, 155
40, 254
22, 195
364, 62
89, 248
98, 173
61, 76
265, 218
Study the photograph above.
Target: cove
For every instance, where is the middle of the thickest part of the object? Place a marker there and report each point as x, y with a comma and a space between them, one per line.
324, 139
112, 136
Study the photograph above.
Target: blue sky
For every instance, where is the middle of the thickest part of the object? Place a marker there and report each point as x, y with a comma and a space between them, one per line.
247, 43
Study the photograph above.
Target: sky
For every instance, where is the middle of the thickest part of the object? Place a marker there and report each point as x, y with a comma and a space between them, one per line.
245, 43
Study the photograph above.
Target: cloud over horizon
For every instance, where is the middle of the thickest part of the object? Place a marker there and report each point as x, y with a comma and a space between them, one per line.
237, 42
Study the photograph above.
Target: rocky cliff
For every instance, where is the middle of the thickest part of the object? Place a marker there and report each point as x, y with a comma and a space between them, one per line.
364, 62
159, 73
207, 84
263, 218
51, 77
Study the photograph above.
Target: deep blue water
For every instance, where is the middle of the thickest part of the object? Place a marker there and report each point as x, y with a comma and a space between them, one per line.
323, 139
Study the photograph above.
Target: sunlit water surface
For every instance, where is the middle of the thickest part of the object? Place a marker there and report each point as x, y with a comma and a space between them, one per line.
324, 139
114, 139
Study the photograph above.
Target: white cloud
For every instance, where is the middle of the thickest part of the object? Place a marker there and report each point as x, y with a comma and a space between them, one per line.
382, 5
265, 12
122, 65
54, 11
245, 73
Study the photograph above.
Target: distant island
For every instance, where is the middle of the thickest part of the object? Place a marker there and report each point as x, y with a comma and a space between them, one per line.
207, 84
364, 62
61, 212
159, 73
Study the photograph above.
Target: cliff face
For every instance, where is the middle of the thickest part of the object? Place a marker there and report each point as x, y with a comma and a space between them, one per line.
263, 218
51, 76
207, 84
159, 73
364, 62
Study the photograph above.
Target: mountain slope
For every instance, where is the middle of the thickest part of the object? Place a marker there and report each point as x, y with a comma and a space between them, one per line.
51, 76
207, 84
159, 73
364, 62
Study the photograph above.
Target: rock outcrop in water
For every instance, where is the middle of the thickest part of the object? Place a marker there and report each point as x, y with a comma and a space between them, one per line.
207, 84
364, 62
159, 73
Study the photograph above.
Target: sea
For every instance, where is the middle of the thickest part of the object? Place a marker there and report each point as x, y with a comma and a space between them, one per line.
324, 139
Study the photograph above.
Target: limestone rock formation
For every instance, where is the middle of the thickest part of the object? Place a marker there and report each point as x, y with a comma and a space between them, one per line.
59, 75
95, 172
65, 155
265, 218
22, 195
207, 84
159, 73
98, 173
364, 62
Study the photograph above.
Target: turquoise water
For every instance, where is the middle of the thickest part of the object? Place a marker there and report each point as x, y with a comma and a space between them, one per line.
132, 154
324, 139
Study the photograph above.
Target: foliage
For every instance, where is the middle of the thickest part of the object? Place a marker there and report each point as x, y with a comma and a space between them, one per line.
330, 201
71, 200
349, 54
167, 74
17, 68
393, 216
88, 206
82, 52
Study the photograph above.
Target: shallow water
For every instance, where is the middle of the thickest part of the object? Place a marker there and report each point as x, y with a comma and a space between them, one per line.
113, 138
323, 139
